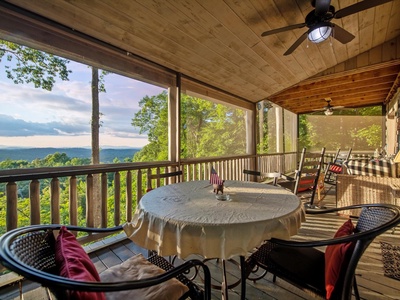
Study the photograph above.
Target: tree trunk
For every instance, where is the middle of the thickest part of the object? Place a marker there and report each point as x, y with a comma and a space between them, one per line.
95, 123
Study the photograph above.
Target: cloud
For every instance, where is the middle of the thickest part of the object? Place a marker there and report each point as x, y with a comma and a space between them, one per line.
66, 110
10, 126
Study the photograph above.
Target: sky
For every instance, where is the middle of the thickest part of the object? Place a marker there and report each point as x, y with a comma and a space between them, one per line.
32, 117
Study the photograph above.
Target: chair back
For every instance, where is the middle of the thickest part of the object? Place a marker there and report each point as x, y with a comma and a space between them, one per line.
308, 173
263, 176
174, 176
374, 220
336, 166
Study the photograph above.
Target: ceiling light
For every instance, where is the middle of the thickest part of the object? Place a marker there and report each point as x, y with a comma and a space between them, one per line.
329, 112
320, 33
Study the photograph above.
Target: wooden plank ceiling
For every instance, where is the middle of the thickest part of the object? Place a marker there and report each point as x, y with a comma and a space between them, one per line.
220, 43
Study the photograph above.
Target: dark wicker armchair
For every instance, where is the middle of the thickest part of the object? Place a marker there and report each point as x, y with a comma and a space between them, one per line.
30, 252
309, 268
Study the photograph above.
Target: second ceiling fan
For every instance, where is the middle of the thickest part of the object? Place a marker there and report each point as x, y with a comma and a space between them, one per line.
319, 22
328, 109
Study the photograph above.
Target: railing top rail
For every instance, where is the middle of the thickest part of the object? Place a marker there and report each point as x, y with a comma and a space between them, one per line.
49, 172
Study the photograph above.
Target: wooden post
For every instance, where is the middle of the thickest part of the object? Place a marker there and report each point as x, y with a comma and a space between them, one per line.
12, 200
34, 196
73, 201
117, 198
128, 196
55, 201
104, 197
139, 187
89, 201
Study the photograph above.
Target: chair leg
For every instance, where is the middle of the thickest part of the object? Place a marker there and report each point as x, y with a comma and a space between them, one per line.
355, 287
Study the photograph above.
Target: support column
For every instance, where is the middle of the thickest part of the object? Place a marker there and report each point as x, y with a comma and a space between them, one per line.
174, 106
279, 129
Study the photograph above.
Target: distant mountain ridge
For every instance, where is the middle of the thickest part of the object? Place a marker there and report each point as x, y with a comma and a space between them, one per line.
106, 155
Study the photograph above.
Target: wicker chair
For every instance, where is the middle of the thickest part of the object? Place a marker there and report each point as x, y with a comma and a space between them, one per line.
303, 265
30, 252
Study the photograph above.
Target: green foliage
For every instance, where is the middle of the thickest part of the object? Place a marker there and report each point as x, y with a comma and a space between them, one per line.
371, 134
32, 66
153, 120
356, 128
208, 129
13, 164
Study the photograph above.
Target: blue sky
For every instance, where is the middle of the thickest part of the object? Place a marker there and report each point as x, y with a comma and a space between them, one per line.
31, 117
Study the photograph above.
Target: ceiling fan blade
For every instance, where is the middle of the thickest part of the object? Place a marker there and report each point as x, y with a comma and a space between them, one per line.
337, 107
357, 7
341, 34
290, 27
296, 43
322, 7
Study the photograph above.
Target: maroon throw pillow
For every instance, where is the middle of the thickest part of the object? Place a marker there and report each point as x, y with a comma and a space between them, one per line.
74, 263
337, 257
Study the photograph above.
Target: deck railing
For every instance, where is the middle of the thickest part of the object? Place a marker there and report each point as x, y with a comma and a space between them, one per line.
106, 194
119, 187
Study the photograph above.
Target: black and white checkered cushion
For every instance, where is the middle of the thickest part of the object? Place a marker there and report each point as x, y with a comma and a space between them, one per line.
380, 168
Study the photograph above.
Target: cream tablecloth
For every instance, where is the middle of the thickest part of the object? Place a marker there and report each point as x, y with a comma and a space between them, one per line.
185, 218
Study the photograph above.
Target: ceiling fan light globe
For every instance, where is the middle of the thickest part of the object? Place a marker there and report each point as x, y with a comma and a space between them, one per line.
319, 34
329, 112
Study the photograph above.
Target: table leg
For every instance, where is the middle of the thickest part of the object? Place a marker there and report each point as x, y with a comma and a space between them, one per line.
224, 285
243, 277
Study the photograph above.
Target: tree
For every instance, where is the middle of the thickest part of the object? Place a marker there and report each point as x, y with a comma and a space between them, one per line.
356, 128
33, 66
97, 87
208, 129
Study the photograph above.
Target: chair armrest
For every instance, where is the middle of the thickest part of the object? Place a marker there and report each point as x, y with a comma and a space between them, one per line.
251, 172
319, 243
289, 178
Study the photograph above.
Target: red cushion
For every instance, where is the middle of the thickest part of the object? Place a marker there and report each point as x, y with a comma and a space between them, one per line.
308, 182
335, 169
337, 257
74, 263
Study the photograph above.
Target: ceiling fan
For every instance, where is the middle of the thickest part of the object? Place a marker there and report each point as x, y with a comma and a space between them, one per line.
319, 22
328, 109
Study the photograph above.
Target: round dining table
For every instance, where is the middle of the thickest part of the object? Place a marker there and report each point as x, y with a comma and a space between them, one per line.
187, 218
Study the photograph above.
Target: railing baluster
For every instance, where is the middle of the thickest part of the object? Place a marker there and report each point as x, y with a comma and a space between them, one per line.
128, 213
89, 201
117, 198
34, 196
12, 201
55, 201
139, 186
104, 196
73, 201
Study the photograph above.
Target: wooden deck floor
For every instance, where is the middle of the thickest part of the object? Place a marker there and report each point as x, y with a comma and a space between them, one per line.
371, 280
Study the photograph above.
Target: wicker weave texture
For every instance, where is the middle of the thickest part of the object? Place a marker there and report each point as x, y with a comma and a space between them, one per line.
357, 189
391, 260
